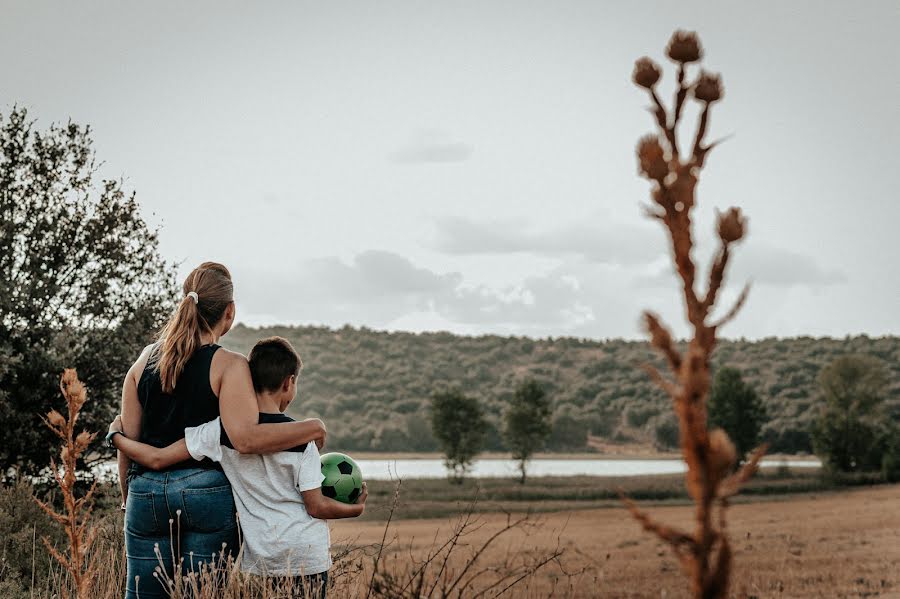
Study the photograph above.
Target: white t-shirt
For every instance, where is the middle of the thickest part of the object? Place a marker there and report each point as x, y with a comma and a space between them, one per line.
280, 537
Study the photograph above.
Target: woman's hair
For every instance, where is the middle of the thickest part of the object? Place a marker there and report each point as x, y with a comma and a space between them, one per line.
207, 292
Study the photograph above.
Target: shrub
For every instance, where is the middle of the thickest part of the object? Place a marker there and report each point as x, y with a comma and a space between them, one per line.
849, 434
890, 461
735, 407
458, 424
527, 423
666, 434
22, 526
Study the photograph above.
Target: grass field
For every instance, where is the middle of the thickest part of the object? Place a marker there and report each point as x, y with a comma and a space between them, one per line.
832, 544
432, 498
795, 533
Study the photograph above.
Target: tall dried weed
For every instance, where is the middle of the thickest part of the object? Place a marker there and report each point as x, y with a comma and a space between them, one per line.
705, 553
75, 517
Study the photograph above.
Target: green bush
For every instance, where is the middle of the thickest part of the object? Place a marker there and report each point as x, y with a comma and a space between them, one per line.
735, 407
458, 424
890, 461
850, 434
527, 422
666, 433
22, 526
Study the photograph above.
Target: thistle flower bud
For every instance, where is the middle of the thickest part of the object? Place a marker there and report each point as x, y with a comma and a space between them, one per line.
684, 47
646, 72
722, 453
82, 441
651, 158
708, 87
56, 419
731, 225
69, 376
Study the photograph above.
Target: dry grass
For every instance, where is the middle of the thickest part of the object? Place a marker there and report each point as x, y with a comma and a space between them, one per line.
844, 544
836, 544
459, 563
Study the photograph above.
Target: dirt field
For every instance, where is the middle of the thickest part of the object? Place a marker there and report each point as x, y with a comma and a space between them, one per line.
843, 544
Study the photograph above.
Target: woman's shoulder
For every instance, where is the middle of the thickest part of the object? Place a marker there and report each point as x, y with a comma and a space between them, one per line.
228, 360
226, 365
227, 356
141, 363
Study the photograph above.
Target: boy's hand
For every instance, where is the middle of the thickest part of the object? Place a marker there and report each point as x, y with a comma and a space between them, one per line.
116, 425
361, 500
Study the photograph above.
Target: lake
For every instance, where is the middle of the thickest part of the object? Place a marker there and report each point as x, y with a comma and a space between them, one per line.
389, 469
386, 469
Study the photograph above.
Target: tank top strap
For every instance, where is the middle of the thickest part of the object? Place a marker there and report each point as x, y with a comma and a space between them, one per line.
206, 352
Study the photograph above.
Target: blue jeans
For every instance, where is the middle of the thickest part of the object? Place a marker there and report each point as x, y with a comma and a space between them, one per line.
188, 514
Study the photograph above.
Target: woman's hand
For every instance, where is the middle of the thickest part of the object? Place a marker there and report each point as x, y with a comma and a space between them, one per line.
320, 441
116, 425
240, 412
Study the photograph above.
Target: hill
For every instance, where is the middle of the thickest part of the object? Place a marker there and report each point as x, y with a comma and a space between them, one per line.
372, 387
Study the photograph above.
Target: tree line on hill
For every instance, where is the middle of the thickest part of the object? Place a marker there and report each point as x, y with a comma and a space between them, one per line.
373, 388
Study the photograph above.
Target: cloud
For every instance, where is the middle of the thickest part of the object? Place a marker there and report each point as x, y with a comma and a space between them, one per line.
380, 288
604, 241
783, 267
374, 287
432, 147
763, 265
577, 297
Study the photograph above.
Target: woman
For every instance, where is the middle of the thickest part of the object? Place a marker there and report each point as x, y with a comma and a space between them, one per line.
184, 380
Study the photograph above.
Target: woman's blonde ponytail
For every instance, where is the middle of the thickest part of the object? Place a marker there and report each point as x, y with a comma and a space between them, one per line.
207, 292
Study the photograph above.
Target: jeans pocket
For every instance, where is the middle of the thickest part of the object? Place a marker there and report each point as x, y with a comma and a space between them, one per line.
209, 510
140, 514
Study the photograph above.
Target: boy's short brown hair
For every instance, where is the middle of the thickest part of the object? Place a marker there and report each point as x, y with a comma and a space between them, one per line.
271, 361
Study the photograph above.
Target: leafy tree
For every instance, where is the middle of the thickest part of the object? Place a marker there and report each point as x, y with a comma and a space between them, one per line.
666, 433
890, 461
527, 422
420, 435
568, 432
735, 407
459, 426
850, 433
81, 282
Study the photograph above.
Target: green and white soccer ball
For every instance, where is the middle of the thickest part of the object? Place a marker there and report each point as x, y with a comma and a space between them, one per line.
343, 478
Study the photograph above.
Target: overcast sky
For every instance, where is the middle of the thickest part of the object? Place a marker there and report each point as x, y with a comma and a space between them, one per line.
469, 166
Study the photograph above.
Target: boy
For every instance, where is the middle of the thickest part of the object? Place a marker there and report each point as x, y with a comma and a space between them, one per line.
278, 497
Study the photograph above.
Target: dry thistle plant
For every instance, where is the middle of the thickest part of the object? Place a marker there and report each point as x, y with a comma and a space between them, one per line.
78, 560
711, 480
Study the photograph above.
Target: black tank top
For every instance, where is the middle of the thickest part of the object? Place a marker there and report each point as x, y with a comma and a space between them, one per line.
192, 403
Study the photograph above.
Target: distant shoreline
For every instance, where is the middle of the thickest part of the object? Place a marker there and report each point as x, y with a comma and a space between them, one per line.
278, 329
499, 455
